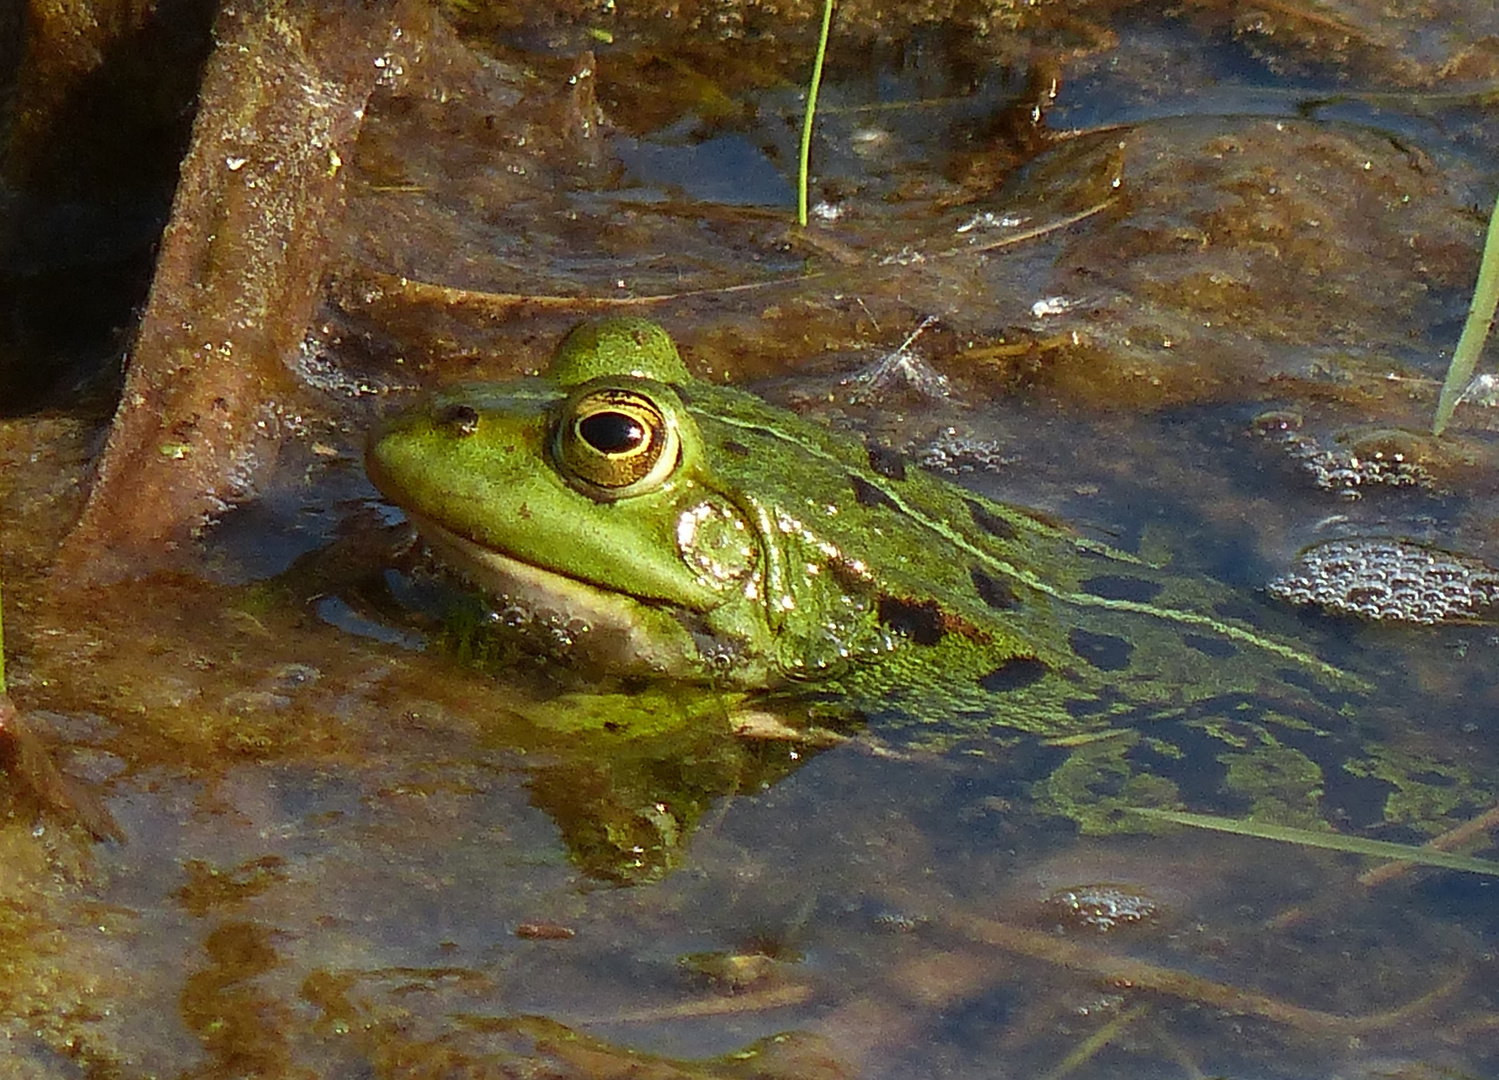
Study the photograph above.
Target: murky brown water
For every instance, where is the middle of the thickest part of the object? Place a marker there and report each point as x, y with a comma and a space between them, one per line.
348, 856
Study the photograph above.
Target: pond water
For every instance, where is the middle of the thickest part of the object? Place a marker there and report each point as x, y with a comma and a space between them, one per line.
1200, 326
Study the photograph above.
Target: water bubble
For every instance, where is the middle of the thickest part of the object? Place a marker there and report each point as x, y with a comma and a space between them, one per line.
1390, 581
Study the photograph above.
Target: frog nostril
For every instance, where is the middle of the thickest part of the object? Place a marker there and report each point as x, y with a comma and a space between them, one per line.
462, 419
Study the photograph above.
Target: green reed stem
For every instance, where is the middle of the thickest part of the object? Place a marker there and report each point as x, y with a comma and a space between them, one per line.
806, 149
1475, 330
1354, 845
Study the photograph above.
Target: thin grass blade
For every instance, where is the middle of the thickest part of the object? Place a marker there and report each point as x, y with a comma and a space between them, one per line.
805, 156
1475, 330
1354, 845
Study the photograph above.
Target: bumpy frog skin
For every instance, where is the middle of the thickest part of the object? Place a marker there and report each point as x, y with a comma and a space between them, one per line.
668, 527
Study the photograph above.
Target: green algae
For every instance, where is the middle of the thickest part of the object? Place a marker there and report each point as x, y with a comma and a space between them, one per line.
1425, 791
1282, 785
1098, 788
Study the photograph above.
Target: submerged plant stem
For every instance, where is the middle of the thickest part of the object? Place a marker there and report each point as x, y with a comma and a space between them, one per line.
1467, 831
1354, 845
1089, 1048
1143, 975
806, 148
502, 305
775, 997
1475, 330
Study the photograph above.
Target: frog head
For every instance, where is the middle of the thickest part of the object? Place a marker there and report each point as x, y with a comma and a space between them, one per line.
588, 497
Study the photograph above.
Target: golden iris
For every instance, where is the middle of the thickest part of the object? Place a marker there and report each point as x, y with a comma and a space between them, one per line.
612, 443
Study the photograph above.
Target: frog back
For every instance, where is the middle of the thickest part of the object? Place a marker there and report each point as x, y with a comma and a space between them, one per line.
952, 612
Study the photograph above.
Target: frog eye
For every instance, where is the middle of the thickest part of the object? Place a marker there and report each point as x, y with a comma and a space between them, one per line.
612, 443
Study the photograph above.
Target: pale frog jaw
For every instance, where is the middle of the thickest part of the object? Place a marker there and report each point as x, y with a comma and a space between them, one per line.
608, 629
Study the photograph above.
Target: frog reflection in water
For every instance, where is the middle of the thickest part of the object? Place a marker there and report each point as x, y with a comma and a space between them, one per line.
675, 530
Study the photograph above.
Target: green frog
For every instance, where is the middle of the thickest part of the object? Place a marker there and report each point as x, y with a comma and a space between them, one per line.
661, 528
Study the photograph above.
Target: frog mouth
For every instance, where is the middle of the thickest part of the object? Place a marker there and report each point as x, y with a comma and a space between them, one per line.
598, 626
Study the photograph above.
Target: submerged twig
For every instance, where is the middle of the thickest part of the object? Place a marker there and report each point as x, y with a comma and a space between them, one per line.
1306, 13
1033, 233
1468, 830
1388, 872
26, 761
501, 304
24, 758
775, 997
1142, 975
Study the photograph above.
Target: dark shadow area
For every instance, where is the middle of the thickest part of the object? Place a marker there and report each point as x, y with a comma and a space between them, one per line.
88, 172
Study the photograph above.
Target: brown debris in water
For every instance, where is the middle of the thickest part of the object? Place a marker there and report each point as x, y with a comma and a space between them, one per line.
237, 278
28, 767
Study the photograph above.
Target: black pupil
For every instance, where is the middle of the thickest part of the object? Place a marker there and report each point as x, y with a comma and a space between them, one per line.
612, 432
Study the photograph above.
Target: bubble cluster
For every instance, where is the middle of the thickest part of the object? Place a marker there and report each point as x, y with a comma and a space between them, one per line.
546, 633
1387, 459
1339, 470
1102, 907
956, 455
1390, 580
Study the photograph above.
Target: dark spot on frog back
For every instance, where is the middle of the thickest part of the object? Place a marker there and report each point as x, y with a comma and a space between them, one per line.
1104, 651
1192, 759
1331, 697
922, 622
1217, 648
890, 464
1355, 801
738, 449
1107, 702
991, 522
998, 594
1016, 673
1123, 587
1237, 609
867, 494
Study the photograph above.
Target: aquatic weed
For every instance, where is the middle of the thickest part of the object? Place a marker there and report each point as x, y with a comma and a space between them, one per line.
812, 87
1475, 330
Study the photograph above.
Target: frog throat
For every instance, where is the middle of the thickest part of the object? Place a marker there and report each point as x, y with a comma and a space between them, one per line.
615, 631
